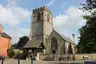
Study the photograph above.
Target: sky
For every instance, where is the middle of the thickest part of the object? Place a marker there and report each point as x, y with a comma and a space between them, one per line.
15, 16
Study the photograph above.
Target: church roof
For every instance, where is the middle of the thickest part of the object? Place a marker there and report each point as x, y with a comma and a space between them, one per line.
65, 38
34, 44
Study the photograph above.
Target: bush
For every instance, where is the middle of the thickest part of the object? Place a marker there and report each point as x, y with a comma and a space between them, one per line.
20, 51
11, 52
20, 55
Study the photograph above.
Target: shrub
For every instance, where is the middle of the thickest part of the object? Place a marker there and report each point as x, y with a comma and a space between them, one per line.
11, 52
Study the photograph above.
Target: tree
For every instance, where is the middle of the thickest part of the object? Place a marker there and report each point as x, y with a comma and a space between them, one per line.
11, 52
22, 41
89, 5
87, 43
15, 45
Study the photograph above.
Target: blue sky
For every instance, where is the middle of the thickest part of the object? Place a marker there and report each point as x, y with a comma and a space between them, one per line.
15, 16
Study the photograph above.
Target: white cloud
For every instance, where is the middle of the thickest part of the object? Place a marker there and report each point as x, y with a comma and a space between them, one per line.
12, 15
50, 3
69, 22
20, 32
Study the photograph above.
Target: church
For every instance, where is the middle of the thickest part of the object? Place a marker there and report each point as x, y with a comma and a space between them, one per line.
43, 37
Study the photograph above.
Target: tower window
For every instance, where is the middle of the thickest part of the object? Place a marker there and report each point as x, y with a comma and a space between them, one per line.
38, 16
48, 18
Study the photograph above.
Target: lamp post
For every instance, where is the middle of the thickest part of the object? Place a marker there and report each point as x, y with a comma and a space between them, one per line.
74, 47
73, 39
73, 36
31, 59
19, 55
31, 55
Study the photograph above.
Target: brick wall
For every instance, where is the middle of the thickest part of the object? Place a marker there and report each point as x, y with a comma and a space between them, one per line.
5, 44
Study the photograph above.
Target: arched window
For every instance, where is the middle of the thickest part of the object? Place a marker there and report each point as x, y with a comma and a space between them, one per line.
38, 16
54, 45
70, 51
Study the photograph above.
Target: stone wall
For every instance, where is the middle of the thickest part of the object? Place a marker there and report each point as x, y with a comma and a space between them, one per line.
60, 43
88, 56
65, 57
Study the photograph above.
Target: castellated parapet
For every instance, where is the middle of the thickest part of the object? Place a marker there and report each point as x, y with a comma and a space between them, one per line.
41, 9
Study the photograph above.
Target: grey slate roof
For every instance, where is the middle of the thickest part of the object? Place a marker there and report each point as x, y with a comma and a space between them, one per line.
3, 34
65, 38
33, 44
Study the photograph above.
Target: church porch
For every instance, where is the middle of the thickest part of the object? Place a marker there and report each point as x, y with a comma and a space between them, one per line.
35, 46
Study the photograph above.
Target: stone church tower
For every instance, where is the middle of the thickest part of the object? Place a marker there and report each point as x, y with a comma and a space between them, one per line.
41, 24
43, 35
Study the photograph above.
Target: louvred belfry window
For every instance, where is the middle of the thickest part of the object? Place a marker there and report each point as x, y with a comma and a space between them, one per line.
48, 18
38, 16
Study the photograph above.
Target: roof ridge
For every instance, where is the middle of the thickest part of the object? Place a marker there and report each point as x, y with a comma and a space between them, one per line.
64, 37
4, 34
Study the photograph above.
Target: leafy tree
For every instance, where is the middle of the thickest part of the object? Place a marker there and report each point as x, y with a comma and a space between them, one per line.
87, 43
22, 41
11, 52
89, 5
15, 45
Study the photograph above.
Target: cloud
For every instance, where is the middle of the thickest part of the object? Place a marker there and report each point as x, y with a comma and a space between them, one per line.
12, 14
50, 3
20, 32
69, 22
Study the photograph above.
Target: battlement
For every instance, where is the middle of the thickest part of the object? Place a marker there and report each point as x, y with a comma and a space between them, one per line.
41, 9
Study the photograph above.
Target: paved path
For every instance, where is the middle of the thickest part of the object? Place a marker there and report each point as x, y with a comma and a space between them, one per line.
72, 62
14, 61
